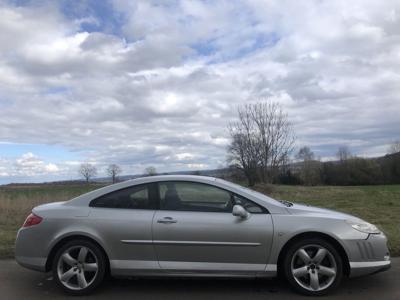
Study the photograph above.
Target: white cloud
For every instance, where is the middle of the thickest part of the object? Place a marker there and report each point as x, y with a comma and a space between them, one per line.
51, 168
197, 166
3, 168
184, 156
31, 165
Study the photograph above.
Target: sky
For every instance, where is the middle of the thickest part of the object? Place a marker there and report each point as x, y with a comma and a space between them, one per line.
141, 83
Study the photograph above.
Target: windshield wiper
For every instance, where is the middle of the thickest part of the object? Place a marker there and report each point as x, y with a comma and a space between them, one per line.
287, 203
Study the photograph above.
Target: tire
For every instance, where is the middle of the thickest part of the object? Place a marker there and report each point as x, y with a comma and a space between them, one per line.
313, 267
79, 267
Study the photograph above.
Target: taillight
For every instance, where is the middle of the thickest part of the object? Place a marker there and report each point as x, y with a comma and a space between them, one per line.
31, 220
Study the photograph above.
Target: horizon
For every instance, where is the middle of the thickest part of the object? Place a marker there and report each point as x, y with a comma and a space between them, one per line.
103, 178
143, 83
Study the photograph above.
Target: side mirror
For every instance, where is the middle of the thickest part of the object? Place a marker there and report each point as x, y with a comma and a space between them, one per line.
239, 211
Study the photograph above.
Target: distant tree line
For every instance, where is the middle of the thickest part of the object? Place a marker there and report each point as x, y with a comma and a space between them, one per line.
262, 140
346, 170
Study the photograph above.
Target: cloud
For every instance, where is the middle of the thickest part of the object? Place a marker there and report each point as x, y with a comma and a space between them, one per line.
51, 168
161, 85
31, 165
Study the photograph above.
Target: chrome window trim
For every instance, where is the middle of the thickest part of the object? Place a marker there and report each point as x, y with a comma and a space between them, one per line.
190, 243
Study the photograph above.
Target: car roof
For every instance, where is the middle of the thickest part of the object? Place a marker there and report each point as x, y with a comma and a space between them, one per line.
173, 177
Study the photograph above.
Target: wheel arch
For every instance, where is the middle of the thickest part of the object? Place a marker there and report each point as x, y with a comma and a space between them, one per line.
338, 246
69, 238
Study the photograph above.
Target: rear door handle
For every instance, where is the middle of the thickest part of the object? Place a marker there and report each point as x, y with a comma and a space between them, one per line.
167, 220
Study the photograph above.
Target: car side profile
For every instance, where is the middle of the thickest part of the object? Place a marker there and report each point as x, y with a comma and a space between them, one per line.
181, 225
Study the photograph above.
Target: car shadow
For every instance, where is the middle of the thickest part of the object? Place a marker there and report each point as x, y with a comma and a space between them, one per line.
216, 288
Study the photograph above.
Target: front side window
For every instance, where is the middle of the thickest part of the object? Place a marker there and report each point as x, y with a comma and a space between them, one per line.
250, 206
135, 197
193, 196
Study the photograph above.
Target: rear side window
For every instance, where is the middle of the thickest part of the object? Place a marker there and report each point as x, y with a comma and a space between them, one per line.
135, 197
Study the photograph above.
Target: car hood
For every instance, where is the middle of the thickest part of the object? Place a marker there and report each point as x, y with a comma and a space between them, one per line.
308, 209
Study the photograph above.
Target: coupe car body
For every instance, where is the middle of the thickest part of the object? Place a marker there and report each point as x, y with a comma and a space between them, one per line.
196, 226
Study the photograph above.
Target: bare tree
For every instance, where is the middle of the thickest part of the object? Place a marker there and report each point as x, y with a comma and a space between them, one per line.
305, 154
245, 149
394, 147
276, 135
262, 140
310, 168
241, 154
113, 171
87, 171
343, 153
150, 171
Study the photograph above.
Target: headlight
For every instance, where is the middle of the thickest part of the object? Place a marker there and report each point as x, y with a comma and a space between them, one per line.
363, 226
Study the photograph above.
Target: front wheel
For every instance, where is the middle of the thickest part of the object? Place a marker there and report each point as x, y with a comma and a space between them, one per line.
79, 267
313, 267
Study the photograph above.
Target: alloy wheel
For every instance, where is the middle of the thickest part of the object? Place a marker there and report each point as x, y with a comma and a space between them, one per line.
77, 267
314, 267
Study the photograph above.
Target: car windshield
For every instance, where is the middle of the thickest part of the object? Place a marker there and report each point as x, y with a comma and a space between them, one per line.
255, 193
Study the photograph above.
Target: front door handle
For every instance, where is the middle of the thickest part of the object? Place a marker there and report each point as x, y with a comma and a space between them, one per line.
166, 220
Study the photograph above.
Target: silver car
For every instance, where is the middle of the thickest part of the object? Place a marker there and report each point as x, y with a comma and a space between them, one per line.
196, 226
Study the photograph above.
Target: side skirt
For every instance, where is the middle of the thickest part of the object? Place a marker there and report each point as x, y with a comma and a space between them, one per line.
127, 268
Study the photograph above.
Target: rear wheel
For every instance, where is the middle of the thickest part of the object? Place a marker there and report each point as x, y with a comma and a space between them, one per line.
313, 267
79, 267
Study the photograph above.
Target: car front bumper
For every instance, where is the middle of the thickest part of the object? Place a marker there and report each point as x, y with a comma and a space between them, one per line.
368, 256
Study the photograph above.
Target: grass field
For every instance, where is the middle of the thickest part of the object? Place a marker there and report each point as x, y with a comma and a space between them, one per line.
377, 204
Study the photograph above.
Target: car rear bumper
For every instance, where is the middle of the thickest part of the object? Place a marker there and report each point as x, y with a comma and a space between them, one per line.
33, 263
29, 250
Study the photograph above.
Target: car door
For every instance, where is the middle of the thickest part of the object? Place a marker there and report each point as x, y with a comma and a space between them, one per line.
123, 219
195, 231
